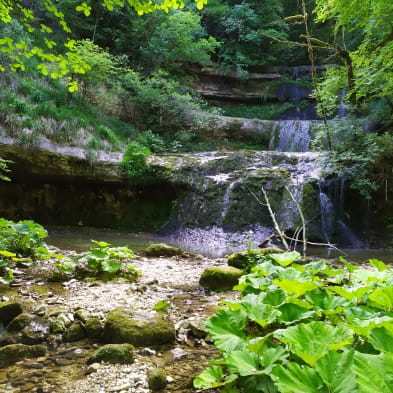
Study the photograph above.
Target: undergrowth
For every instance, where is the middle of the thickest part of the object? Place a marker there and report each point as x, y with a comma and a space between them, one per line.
301, 327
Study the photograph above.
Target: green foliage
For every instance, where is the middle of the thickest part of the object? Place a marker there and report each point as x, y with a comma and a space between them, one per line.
352, 155
265, 111
307, 336
134, 163
4, 169
107, 262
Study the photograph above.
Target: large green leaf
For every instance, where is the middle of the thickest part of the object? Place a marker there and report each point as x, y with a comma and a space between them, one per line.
362, 326
285, 258
271, 357
212, 377
374, 372
275, 297
353, 293
243, 362
293, 313
313, 340
294, 378
226, 329
335, 369
110, 266
261, 313
296, 288
322, 300
382, 338
382, 298
378, 264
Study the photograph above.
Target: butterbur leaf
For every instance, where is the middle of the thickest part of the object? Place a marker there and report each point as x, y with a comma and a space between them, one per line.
243, 362
362, 327
378, 264
261, 313
285, 258
296, 288
382, 298
226, 329
293, 313
212, 377
313, 340
294, 378
353, 294
382, 338
322, 300
335, 369
351, 268
275, 298
111, 266
271, 357
374, 372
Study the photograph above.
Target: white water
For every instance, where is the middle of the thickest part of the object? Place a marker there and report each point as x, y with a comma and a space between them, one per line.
293, 136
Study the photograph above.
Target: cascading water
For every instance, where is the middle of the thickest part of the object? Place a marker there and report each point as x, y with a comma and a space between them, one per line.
291, 136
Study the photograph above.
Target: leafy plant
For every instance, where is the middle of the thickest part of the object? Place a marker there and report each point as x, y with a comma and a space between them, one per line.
106, 261
134, 163
304, 327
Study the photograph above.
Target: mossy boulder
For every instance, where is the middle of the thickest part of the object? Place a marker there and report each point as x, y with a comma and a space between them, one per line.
216, 278
75, 332
163, 250
241, 260
13, 353
113, 353
8, 311
20, 322
121, 327
36, 332
94, 328
156, 379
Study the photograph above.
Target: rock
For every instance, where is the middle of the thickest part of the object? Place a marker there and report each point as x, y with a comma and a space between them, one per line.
198, 328
36, 332
163, 250
148, 352
94, 328
121, 327
216, 278
81, 315
15, 352
19, 322
93, 368
8, 311
75, 332
57, 326
113, 353
156, 379
241, 259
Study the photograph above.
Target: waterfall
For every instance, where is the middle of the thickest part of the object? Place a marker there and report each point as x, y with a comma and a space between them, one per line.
327, 216
291, 136
227, 197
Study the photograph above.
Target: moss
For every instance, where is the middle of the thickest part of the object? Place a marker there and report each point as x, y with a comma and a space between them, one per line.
157, 379
163, 250
215, 278
19, 322
121, 327
113, 353
75, 332
13, 353
93, 328
241, 260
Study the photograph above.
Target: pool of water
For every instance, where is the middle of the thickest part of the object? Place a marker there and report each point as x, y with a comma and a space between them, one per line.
79, 239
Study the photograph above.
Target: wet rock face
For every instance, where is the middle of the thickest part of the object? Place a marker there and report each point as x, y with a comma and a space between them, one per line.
121, 327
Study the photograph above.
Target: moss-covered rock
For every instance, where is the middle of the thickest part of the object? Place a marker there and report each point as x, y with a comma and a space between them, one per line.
216, 278
241, 260
75, 332
163, 250
113, 353
36, 332
20, 322
121, 327
94, 328
156, 379
8, 311
15, 352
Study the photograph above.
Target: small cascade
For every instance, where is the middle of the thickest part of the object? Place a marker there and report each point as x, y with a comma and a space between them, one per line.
291, 136
342, 110
327, 216
227, 198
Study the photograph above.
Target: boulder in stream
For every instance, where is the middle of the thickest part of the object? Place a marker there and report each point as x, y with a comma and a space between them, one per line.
13, 353
216, 278
122, 327
113, 353
8, 311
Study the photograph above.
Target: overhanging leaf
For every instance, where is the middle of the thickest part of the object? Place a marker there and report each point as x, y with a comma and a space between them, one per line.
285, 258
296, 288
243, 362
293, 313
382, 338
212, 377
